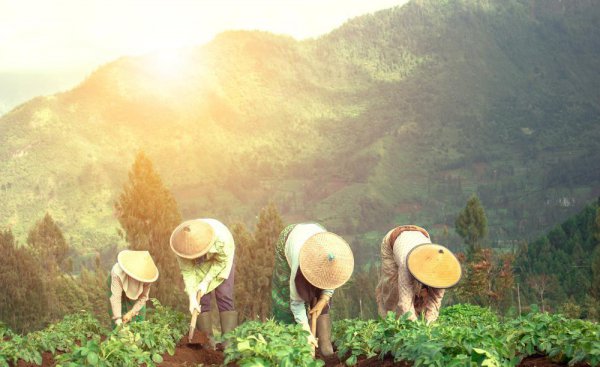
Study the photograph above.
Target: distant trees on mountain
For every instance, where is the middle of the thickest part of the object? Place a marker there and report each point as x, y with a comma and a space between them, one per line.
562, 268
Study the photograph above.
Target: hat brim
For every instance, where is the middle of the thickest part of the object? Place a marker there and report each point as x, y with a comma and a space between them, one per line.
195, 254
434, 265
145, 272
315, 264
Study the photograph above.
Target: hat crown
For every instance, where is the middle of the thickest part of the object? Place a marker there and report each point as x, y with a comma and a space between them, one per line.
139, 265
192, 238
326, 260
434, 265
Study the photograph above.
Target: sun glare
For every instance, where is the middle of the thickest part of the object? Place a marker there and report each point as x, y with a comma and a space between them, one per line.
168, 64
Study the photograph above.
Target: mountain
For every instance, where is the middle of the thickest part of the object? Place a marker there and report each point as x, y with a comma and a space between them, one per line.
395, 117
25, 84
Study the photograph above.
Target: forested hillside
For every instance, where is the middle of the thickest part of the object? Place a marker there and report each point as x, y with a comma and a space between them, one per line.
395, 117
561, 269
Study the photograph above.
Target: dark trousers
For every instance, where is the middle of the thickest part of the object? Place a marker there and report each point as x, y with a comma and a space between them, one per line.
308, 292
223, 293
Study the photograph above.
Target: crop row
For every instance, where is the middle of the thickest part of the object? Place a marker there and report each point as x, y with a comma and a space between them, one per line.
81, 341
62, 336
467, 335
464, 335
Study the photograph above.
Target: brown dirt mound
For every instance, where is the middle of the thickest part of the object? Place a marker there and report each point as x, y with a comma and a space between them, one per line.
193, 355
334, 361
47, 361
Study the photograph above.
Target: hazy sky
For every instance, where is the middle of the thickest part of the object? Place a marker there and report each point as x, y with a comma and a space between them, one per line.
51, 35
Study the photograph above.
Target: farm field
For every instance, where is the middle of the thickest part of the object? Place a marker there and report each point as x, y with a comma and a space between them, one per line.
464, 335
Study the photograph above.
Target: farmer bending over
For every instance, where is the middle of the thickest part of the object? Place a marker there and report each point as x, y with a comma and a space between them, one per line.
309, 264
414, 273
129, 285
205, 251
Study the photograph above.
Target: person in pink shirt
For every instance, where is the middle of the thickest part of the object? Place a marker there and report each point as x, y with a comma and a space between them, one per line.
414, 274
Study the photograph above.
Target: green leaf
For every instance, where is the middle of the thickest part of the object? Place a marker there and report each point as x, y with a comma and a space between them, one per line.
243, 346
157, 358
351, 361
92, 359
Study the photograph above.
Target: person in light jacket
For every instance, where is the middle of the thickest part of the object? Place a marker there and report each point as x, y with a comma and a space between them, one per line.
129, 284
205, 254
310, 263
414, 274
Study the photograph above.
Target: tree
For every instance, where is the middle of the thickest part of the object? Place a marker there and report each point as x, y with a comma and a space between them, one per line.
595, 289
245, 287
148, 213
471, 225
595, 283
23, 303
540, 283
255, 257
48, 243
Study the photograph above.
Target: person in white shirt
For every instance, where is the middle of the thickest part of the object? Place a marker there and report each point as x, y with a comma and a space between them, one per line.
310, 263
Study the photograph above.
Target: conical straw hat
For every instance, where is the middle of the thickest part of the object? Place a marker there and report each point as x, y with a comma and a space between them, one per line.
138, 265
192, 238
434, 265
326, 260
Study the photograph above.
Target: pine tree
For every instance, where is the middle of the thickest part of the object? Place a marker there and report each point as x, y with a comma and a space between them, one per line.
94, 285
254, 263
245, 252
47, 240
148, 213
595, 288
471, 225
23, 301
267, 232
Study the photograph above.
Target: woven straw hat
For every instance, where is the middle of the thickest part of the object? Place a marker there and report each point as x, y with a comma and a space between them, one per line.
326, 260
434, 265
192, 238
138, 265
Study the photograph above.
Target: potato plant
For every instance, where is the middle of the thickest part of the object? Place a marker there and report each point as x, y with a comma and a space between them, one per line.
133, 344
467, 335
255, 344
61, 336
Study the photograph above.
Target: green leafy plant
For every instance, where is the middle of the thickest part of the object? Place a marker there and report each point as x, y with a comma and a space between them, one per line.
269, 344
466, 335
132, 345
61, 336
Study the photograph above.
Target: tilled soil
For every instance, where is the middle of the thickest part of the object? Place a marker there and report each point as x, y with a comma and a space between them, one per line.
192, 355
47, 361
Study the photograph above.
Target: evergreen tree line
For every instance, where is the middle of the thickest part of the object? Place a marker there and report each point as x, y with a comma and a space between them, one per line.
39, 285
36, 281
559, 272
